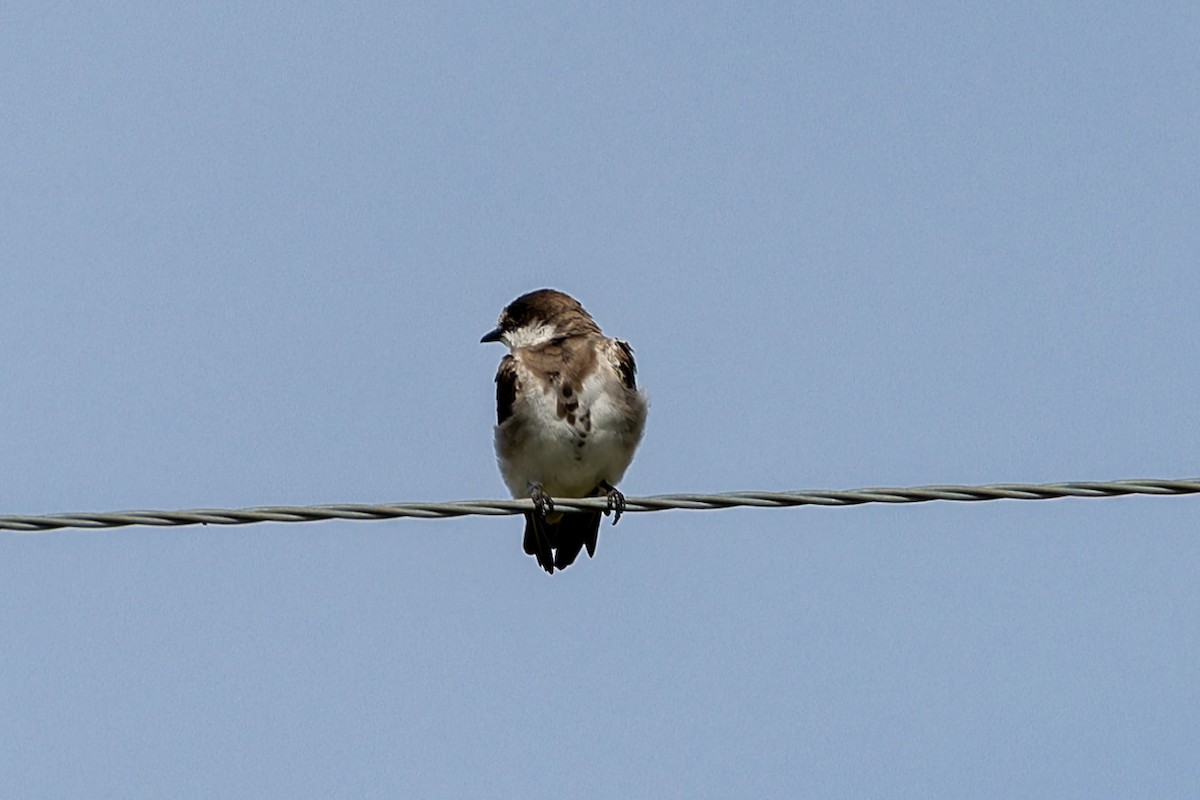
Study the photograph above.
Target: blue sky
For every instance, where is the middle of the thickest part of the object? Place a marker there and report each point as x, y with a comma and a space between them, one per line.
246, 256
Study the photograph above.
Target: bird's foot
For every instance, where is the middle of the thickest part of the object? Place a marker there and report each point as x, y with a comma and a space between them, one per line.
543, 504
616, 501
540, 547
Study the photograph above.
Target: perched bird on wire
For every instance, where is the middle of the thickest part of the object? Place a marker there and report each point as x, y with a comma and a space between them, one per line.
569, 417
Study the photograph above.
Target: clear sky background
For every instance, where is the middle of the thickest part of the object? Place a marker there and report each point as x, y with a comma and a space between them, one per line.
246, 255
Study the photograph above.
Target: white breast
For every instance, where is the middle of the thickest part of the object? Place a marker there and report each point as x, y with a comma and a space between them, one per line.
535, 445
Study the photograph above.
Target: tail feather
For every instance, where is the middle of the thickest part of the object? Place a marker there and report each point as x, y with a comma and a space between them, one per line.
537, 542
556, 544
572, 534
591, 541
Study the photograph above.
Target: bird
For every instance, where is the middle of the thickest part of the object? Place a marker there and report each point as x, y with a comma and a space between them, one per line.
569, 417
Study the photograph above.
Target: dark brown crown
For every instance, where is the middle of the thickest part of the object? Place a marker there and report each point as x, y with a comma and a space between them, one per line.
548, 306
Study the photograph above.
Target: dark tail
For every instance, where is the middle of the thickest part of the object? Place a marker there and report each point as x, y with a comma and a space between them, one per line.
567, 535
537, 542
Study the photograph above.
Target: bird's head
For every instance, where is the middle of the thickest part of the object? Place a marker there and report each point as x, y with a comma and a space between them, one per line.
540, 317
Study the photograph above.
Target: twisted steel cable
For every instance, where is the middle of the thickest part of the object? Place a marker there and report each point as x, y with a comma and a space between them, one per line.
662, 502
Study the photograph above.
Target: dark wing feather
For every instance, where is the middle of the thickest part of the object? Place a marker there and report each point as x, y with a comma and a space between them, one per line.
623, 361
506, 388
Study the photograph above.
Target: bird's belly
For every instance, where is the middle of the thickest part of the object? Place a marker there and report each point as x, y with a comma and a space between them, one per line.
545, 449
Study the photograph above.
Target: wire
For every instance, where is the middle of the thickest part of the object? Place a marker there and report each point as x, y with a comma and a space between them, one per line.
662, 502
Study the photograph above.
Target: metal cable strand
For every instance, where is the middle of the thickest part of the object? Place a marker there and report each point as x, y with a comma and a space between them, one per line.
662, 502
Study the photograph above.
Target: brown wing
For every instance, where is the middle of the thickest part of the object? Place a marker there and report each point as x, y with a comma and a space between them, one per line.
506, 388
623, 361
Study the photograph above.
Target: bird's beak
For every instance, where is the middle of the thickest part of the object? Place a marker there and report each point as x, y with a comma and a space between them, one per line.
491, 336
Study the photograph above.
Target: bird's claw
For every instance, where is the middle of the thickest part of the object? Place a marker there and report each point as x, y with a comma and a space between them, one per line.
543, 504
616, 501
